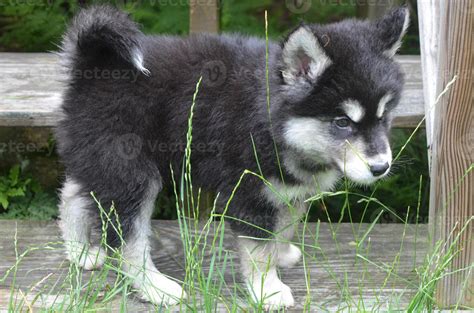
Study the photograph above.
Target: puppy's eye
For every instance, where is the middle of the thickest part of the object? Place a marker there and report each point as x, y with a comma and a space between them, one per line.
342, 122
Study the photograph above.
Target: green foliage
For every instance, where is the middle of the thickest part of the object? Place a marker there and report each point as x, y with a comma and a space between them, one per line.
34, 25
34, 206
37, 25
23, 198
248, 16
411, 42
156, 18
12, 186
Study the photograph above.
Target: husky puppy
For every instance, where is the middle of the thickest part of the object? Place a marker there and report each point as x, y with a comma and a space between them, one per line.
332, 89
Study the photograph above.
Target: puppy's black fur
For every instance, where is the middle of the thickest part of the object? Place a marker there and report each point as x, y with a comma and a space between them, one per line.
120, 133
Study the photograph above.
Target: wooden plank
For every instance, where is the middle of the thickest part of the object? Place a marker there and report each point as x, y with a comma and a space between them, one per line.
335, 270
203, 16
452, 196
410, 111
31, 86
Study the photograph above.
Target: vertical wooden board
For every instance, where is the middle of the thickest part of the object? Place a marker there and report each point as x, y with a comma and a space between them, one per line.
204, 16
452, 185
428, 18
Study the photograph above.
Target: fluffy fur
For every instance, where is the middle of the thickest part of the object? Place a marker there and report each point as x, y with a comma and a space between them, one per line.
125, 122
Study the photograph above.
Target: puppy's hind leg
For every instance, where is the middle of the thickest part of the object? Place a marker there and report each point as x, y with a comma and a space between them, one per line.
152, 285
75, 224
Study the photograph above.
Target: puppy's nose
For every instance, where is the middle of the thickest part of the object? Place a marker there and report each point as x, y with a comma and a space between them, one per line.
379, 169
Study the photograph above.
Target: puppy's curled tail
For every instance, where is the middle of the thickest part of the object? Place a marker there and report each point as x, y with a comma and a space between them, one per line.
102, 33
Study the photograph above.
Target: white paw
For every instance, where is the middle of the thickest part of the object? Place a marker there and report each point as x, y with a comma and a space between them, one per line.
159, 290
93, 259
89, 258
274, 295
288, 255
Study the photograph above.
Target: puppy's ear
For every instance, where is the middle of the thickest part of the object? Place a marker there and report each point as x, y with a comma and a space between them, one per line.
304, 58
390, 30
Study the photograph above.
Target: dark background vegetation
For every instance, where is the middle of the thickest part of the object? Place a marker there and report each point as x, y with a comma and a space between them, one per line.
30, 172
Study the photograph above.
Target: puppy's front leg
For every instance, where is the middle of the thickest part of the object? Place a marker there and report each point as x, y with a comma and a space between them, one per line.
288, 255
152, 285
259, 260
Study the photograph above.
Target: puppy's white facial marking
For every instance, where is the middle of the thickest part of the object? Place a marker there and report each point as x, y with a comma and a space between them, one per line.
383, 103
356, 164
307, 134
354, 110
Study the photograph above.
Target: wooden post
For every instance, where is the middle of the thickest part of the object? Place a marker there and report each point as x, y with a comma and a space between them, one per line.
428, 18
452, 188
204, 16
